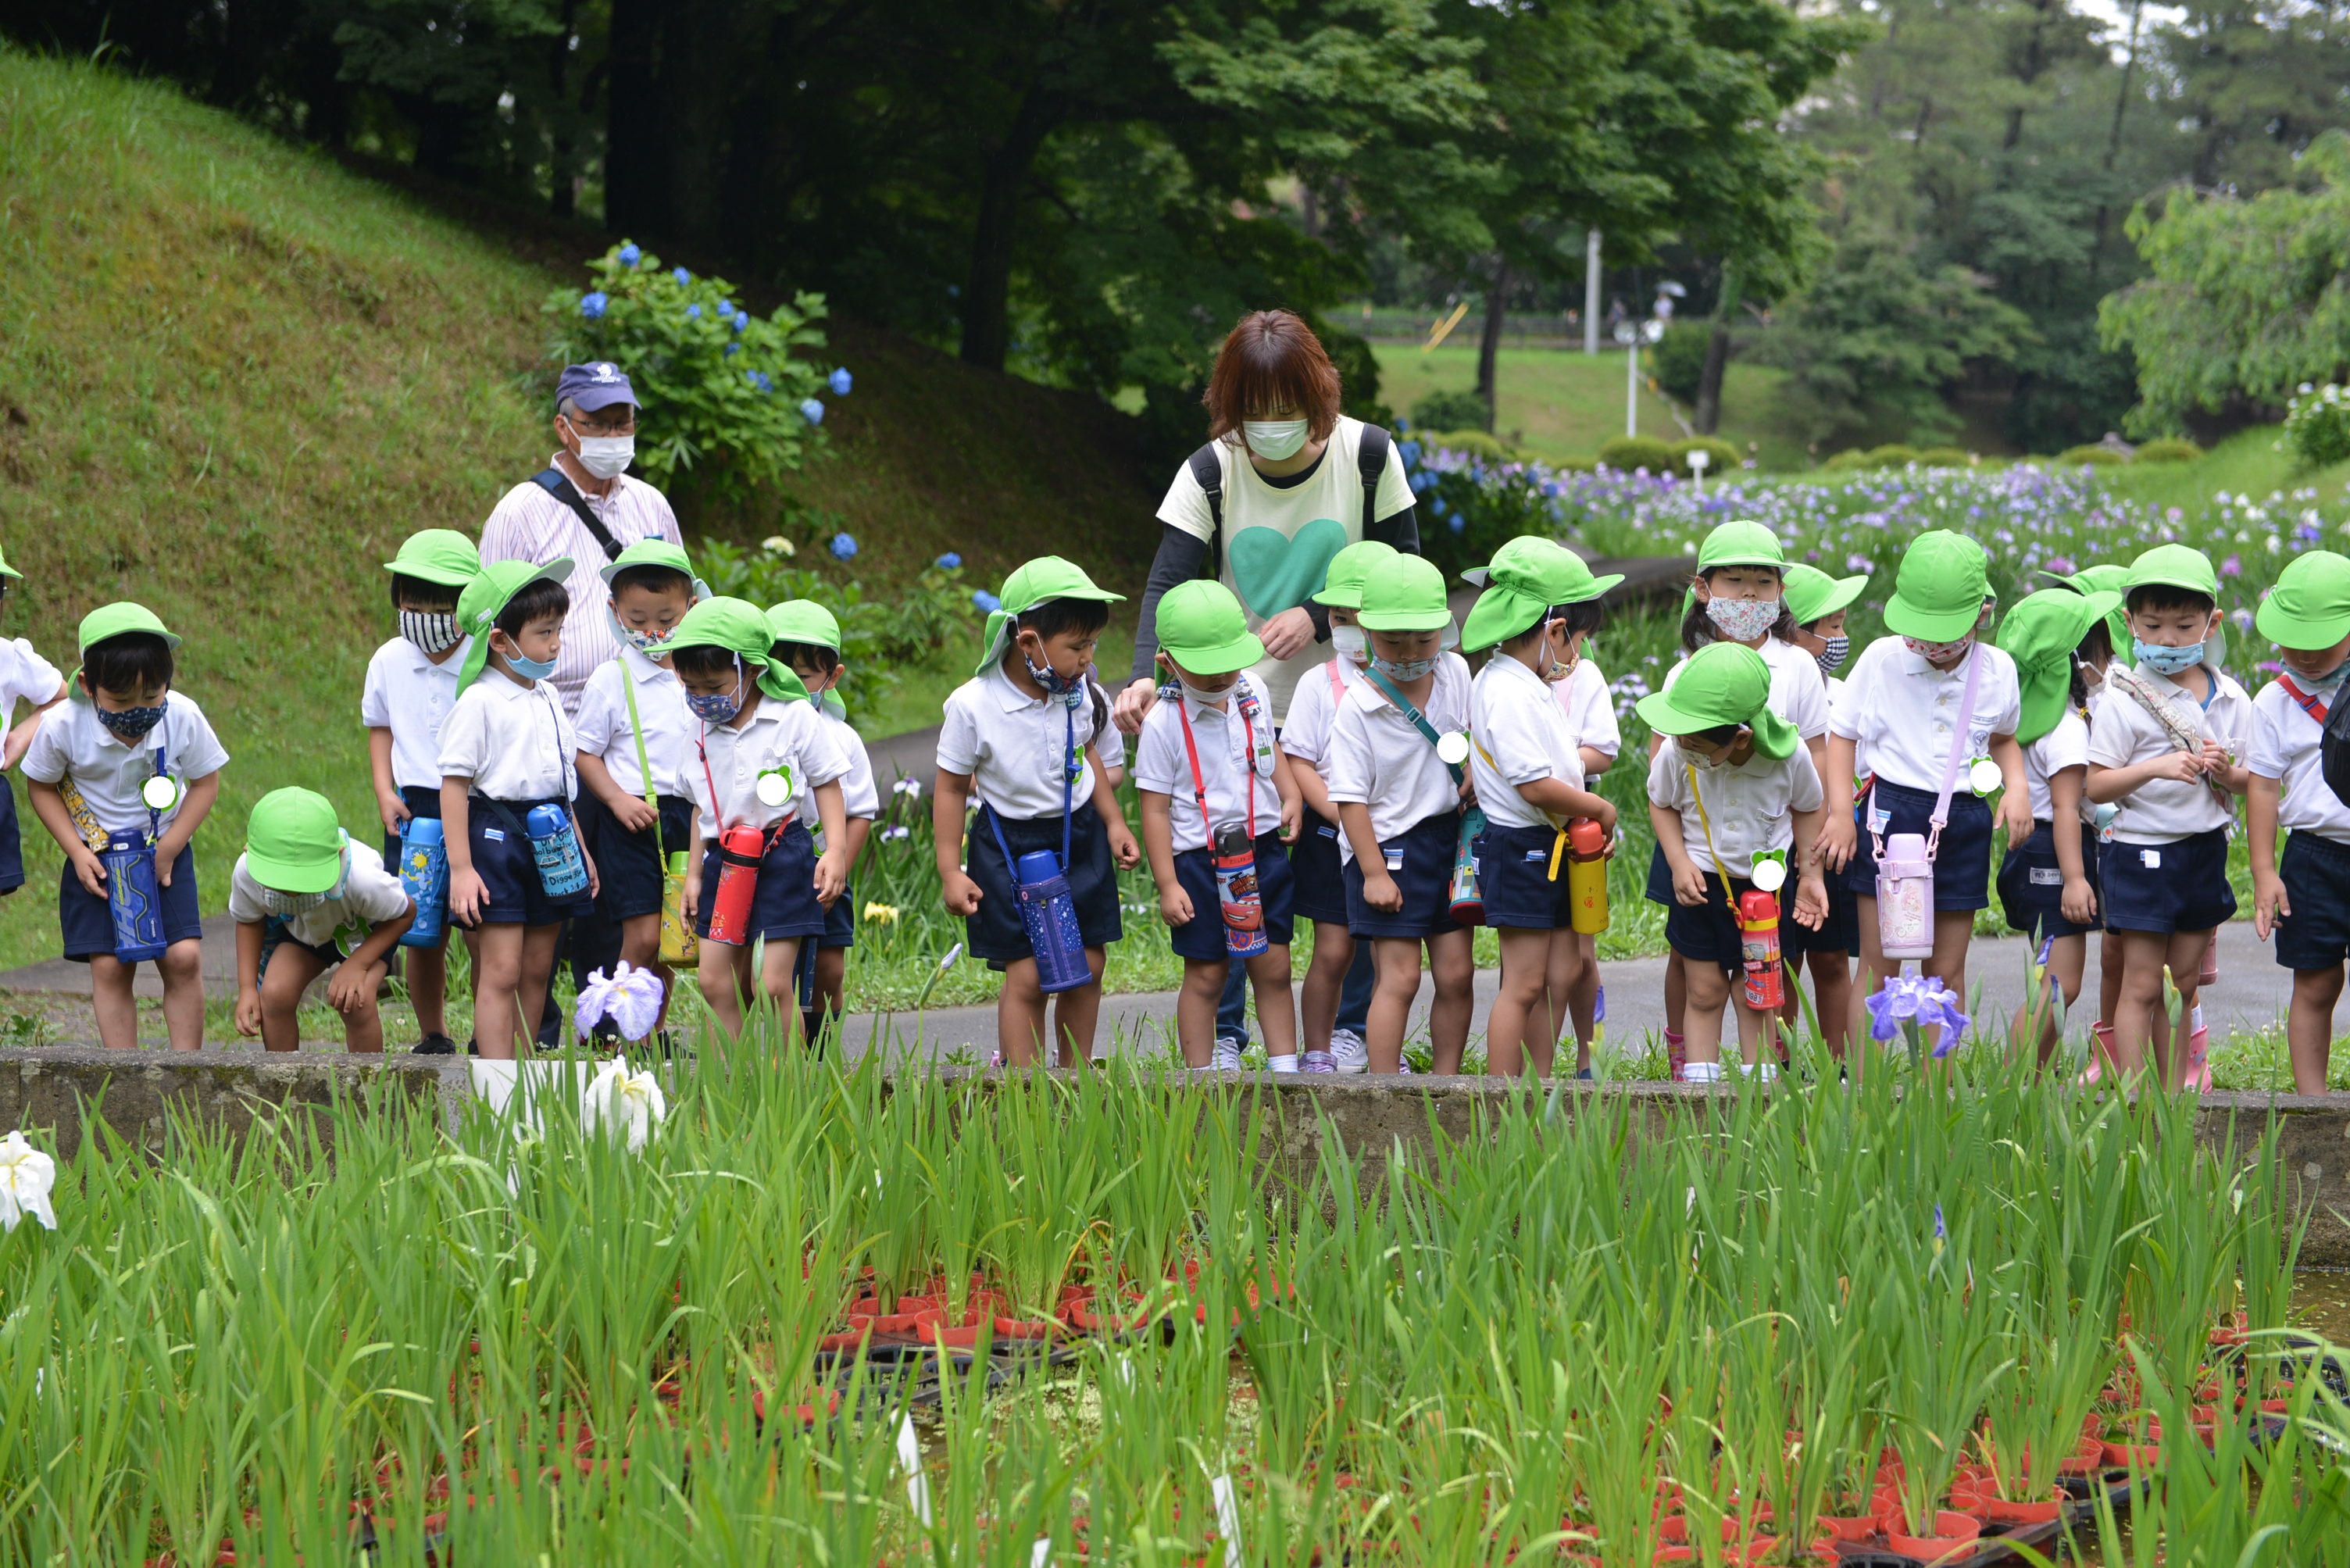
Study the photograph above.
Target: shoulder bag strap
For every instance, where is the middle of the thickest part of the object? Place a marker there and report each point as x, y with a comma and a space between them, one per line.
554, 482
1418, 720
1707, 822
2182, 737
1371, 459
1199, 780
1207, 472
644, 763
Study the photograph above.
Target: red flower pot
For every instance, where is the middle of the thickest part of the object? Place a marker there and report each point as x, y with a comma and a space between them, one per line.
1953, 1533
1847, 1527
2145, 1455
1023, 1328
2004, 1511
1674, 1530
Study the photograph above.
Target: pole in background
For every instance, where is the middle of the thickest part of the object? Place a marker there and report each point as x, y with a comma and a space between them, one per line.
1591, 292
1632, 334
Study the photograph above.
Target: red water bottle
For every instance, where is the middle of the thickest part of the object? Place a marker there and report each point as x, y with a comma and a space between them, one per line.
1757, 940
740, 850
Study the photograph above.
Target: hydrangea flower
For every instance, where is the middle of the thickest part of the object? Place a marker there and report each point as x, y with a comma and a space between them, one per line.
26, 1178
694, 312
843, 548
742, 319
725, 310
839, 381
623, 1104
630, 998
629, 254
812, 411
759, 379
985, 600
950, 561
683, 276
733, 348
594, 304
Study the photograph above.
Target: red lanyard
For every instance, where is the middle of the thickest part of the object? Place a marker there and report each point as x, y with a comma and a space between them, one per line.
1198, 779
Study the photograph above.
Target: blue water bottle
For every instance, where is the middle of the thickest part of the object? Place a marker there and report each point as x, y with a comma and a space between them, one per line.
1049, 910
424, 877
132, 897
562, 869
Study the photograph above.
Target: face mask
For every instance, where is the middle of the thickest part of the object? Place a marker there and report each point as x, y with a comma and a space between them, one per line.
435, 631
129, 723
1403, 669
1203, 696
1742, 621
717, 707
1351, 643
1054, 681
2326, 682
529, 669
605, 457
2165, 661
1936, 653
642, 641
1275, 439
1839, 649
289, 904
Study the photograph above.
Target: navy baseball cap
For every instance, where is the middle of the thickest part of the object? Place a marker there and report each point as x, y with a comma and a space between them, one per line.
594, 386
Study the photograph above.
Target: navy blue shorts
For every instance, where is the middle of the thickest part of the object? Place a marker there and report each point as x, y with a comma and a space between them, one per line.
420, 802
783, 901
2186, 891
1420, 861
508, 870
275, 934
2317, 873
1315, 874
1962, 855
1514, 866
12, 845
628, 865
1202, 936
840, 921
996, 933
88, 924
1710, 934
2032, 884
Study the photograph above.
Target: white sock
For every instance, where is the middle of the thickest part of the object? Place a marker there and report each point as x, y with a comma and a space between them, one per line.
1282, 1063
2196, 1013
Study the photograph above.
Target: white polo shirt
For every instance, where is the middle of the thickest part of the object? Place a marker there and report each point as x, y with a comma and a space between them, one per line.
1797, 693
369, 894
1900, 710
1314, 707
410, 695
2284, 747
2065, 747
514, 741
24, 673
1379, 760
108, 772
1590, 711
794, 735
858, 792
1011, 744
1751, 807
2163, 810
1522, 735
606, 733
1231, 745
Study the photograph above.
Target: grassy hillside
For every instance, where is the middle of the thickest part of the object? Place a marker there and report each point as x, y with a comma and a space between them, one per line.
234, 375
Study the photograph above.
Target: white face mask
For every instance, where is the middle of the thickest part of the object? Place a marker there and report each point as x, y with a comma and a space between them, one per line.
1351, 643
1273, 439
605, 457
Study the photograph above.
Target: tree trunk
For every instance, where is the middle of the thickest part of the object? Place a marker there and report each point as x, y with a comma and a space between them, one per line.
635, 196
987, 288
1708, 417
1489, 342
562, 195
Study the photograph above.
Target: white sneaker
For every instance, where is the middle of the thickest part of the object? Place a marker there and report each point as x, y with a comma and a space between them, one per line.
1768, 1071
1225, 1058
1317, 1061
1348, 1053
1700, 1072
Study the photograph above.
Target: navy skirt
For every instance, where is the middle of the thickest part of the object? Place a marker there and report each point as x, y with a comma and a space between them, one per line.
784, 904
996, 933
1420, 861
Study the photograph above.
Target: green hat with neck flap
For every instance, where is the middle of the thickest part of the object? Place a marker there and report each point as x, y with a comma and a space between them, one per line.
740, 627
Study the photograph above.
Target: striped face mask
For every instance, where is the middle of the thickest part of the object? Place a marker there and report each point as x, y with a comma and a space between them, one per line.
433, 631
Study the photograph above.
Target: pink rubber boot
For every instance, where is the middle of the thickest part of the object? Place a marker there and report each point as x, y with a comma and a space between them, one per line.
2102, 1048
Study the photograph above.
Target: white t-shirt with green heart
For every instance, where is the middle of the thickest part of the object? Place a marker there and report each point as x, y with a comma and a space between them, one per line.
1279, 535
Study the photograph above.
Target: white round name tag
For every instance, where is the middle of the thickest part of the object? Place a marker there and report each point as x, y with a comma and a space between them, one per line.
1984, 775
1453, 747
161, 793
1770, 874
775, 786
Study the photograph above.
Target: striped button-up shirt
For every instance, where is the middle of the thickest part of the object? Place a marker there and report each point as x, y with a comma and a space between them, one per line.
529, 524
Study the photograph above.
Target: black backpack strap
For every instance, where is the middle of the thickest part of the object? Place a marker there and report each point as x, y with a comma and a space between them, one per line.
1208, 471
555, 483
1371, 457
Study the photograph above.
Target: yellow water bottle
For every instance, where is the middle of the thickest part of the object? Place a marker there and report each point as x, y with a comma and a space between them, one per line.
1587, 874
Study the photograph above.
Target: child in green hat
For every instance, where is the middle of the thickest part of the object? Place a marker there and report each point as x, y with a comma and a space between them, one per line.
25, 677
412, 684
1210, 742
762, 757
2165, 749
2048, 883
1933, 707
2304, 900
807, 643
1334, 1001
300, 892
1399, 774
1738, 772
1817, 604
1024, 738
507, 748
129, 756
1581, 689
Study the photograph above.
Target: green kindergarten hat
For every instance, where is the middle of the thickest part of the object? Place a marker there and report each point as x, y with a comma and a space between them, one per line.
1812, 595
1526, 576
2310, 605
440, 555
1939, 594
1202, 629
114, 620
1404, 594
2040, 633
742, 628
2107, 576
487, 597
2174, 566
293, 843
6, 570
654, 553
1342, 583
1722, 683
1740, 543
1046, 577
804, 620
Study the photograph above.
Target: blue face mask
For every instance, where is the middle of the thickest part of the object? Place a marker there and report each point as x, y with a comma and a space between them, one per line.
717, 707
129, 723
2165, 660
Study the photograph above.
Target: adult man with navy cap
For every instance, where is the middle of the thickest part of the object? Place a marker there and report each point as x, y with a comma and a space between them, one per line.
583, 507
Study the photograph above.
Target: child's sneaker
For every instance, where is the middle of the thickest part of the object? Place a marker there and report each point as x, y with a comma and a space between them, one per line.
1317, 1061
1224, 1058
1698, 1073
436, 1045
1768, 1071
1346, 1049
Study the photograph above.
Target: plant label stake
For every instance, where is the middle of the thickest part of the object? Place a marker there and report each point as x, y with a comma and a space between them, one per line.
910, 1459
1227, 1519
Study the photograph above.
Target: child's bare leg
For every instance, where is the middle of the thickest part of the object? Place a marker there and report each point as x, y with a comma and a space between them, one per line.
1276, 1003
1511, 1026
1868, 980
1020, 1014
497, 983
640, 941
1195, 1009
183, 968
1563, 971
2309, 1026
1708, 993
1452, 964
1752, 1023
1077, 1012
111, 999
291, 971
1325, 979
1582, 998
1676, 985
537, 972
428, 986
1953, 929
1831, 996
779, 980
831, 981
720, 987
1398, 983
2141, 998
2067, 957
2183, 955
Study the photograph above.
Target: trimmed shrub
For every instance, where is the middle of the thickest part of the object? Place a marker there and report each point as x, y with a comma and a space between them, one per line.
1720, 456
2169, 449
1629, 453
1451, 409
1944, 457
1475, 443
1679, 358
1850, 458
1893, 454
2095, 456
